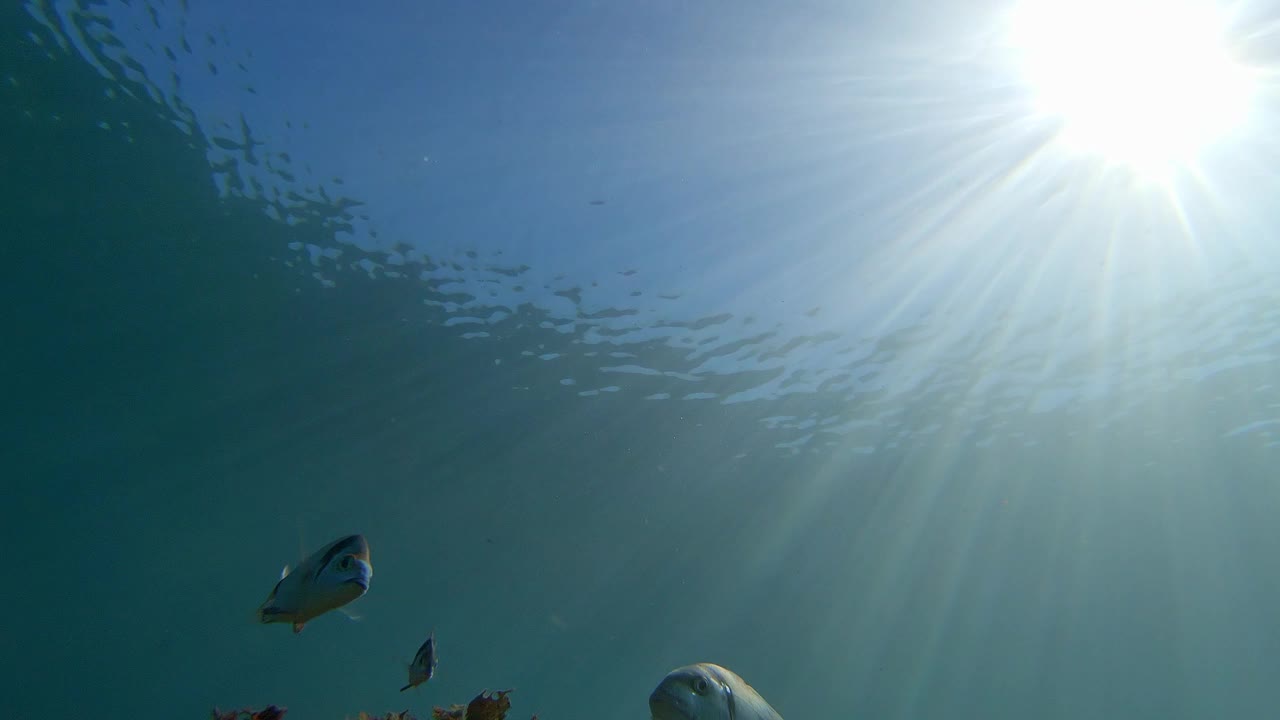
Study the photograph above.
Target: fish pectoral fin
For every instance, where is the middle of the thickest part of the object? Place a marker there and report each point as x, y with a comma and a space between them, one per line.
352, 616
297, 627
406, 687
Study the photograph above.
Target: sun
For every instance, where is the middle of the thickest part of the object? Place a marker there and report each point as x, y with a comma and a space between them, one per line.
1144, 83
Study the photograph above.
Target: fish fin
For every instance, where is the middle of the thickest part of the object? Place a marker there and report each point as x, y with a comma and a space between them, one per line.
284, 572
406, 687
350, 615
297, 627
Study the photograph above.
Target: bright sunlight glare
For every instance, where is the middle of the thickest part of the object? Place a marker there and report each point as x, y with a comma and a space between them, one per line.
1143, 83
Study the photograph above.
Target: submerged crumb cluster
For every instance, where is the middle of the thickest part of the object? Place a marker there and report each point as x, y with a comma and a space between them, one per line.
485, 706
271, 712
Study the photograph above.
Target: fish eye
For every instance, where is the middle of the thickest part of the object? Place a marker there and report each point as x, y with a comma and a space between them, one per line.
700, 686
345, 563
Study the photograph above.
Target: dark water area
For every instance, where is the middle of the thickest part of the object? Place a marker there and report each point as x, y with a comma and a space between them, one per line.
185, 404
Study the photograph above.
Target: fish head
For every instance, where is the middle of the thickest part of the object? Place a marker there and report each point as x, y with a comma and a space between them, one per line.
334, 576
344, 569
693, 692
432, 659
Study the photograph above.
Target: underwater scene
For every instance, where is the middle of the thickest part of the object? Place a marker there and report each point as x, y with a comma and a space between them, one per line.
575, 360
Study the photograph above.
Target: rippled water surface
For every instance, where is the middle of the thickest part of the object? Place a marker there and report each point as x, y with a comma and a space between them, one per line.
778, 336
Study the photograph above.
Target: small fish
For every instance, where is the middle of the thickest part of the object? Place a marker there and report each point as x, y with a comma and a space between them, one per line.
424, 663
332, 577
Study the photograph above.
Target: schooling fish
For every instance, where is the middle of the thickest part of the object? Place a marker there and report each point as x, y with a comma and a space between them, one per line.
707, 692
332, 577
424, 663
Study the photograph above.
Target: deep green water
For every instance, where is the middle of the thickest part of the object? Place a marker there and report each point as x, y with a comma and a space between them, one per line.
184, 403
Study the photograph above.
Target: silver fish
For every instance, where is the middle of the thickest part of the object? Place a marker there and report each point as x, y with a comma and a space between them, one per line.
424, 663
333, 576
707, 692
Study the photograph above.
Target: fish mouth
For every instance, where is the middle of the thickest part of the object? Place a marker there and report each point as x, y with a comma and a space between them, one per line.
665, 705
364, 584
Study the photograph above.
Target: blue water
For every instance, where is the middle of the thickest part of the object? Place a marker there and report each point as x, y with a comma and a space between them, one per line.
630, 337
